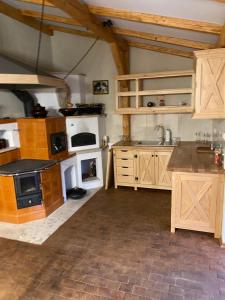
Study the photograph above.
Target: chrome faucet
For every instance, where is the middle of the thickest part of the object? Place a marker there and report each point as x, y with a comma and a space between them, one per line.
161, 130
168, 136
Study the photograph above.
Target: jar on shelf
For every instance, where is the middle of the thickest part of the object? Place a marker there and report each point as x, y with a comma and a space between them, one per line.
161, 101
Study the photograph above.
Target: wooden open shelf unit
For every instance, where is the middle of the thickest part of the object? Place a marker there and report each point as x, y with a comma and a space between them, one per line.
123, 86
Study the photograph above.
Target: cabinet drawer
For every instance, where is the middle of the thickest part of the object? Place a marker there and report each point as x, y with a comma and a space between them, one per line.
124, 153
125, 178
124, 171
125, 162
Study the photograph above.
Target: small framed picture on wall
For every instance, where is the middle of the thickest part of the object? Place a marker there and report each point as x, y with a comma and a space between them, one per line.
100, 87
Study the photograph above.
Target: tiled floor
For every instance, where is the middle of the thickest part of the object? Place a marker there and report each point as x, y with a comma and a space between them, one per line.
36, 232
117, 246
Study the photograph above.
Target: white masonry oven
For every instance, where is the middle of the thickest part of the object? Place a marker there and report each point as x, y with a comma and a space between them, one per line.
85, 132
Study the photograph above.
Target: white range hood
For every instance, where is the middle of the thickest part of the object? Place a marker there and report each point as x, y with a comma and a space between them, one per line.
27, 81
15, 75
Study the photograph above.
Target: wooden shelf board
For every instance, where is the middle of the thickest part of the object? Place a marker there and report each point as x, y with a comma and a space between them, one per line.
126, 94
7, 121
8, 149
156, 92
165, 92
156, 75
156, 110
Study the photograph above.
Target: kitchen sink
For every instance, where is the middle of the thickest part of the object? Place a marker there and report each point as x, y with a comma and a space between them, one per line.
153, 144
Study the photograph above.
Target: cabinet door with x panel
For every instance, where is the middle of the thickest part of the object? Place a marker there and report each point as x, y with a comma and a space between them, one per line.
209, 87
146, 168
197, 202
162, 176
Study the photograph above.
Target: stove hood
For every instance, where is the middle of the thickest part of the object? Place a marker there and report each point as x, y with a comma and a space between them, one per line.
15, 75
29, 81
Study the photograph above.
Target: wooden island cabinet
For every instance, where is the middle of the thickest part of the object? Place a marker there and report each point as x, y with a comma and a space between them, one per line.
197, 190
144, 167
197, 202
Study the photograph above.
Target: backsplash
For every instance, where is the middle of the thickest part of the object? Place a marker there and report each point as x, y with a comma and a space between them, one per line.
10, 106
218, 130
182, 126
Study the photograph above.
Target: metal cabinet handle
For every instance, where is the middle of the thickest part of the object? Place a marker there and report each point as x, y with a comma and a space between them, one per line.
136, 178
124, 175
123, 150
153, 155
125, 167
124, 158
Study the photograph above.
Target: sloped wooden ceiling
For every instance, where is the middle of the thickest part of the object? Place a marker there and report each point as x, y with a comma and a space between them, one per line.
63, 16
148, 24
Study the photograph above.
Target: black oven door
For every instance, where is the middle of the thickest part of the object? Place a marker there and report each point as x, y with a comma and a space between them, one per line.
27, 184
58, 142
30, 200
28, 190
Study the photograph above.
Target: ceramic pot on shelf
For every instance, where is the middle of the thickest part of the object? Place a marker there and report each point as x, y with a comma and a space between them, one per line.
39, 111
3, 143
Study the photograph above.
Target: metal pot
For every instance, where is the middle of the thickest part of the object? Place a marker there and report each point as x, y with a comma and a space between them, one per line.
39, 111
3, 143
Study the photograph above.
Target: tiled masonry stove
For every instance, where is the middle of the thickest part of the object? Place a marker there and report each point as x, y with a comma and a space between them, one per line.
84, 136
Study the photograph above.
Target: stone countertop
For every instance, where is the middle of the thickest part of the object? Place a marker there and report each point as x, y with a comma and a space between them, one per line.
134, 144
22, 166
6, 121
186, 158
3, 150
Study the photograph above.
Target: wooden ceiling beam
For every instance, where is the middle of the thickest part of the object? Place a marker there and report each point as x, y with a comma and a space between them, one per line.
163, 38
147, 18
124, 32
172, 51
79, 11
15, 13
72, 31
50, 17
221, 1
49, 4
221, 40
156, 19
89, 34
38, 2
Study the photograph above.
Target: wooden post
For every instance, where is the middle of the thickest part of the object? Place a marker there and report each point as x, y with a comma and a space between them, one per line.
221, 40
126, 103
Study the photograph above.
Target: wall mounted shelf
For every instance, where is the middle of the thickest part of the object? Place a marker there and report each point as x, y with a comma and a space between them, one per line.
132, 88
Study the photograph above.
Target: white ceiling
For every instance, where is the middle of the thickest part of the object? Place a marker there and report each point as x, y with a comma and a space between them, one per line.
202, 10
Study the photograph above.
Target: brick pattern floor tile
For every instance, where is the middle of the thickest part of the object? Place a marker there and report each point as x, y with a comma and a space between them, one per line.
117, 246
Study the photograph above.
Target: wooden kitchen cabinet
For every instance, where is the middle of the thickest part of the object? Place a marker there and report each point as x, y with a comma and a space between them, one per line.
124, 167
197, 202
209, 85
146, 168
52, 189
163, 177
